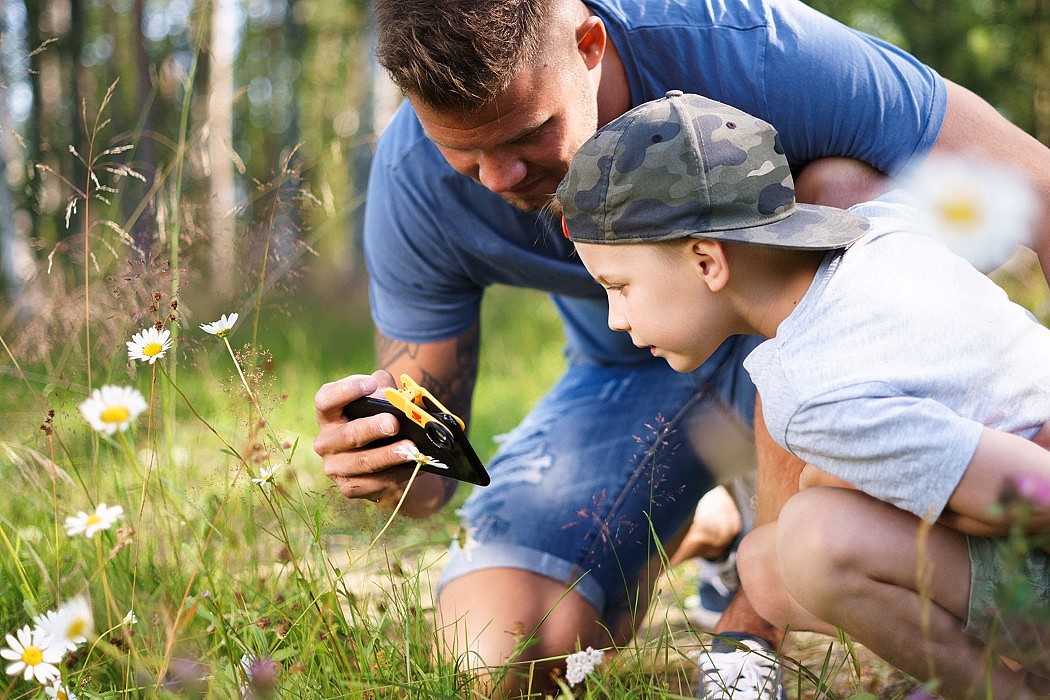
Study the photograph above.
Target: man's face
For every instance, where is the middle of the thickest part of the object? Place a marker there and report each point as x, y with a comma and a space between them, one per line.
657, 296
520, 145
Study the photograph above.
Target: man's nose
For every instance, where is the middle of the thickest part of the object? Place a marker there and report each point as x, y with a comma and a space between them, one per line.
500, 171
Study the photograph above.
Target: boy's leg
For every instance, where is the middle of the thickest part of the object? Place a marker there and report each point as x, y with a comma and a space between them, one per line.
894, 584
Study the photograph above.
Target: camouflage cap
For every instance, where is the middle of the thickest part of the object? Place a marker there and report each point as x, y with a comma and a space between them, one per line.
688, 166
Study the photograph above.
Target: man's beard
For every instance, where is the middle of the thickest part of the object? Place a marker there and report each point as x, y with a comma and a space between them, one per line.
532, 203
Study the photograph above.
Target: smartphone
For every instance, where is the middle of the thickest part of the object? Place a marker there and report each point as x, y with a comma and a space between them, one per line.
441, 438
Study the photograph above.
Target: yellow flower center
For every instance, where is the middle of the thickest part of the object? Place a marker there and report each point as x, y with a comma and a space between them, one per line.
61, 695
76, 628
31, 656
960, 213
115, 414
152, 349
93, 519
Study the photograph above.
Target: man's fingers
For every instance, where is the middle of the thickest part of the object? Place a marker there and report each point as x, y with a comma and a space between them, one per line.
331, 397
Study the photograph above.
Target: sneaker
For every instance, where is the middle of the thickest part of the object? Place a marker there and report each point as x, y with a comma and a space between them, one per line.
739, 666
719, 582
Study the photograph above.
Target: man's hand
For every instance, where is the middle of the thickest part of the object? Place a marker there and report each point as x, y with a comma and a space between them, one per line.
358, 470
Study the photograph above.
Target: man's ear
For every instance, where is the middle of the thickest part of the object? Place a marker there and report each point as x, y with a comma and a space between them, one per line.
710, 262
590, 40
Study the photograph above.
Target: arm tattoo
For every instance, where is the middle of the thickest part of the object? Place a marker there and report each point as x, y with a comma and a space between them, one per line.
452, 384
390, 351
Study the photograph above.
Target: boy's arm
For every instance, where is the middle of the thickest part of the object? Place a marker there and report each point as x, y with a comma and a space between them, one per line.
999, 459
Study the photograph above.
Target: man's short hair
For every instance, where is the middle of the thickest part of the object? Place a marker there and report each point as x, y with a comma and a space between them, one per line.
458, 54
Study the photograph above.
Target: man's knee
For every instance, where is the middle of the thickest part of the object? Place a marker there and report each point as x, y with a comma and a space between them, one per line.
500, 615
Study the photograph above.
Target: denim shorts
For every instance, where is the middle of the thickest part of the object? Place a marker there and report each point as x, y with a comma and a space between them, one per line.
1009, 597
608, 458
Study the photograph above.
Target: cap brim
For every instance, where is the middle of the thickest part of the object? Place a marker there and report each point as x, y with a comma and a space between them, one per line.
808, 227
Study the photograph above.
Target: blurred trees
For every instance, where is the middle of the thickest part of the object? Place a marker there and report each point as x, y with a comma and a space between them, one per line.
1000, 49
241, 116
251, 120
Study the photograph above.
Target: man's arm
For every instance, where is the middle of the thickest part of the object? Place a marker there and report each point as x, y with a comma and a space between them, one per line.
448, 369
971, 125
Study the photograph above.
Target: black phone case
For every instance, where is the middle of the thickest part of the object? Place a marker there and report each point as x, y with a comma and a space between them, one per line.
442, 439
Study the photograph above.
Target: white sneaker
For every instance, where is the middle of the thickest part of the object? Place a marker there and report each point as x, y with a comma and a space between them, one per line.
739, 666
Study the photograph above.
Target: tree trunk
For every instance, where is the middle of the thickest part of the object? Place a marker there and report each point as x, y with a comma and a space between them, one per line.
219, 146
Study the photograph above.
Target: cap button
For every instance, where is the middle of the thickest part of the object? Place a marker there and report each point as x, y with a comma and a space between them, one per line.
673, 93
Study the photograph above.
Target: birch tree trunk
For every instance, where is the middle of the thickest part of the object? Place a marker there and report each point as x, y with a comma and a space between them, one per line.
219, 144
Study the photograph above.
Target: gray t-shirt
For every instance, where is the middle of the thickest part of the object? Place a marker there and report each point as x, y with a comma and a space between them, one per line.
894, 360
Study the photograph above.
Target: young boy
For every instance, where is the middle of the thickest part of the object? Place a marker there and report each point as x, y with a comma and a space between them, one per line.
892, 366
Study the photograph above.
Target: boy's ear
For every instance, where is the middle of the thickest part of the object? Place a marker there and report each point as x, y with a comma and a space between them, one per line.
711, 263
590, 40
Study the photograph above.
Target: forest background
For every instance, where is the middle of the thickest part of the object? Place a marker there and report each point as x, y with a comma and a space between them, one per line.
170, 161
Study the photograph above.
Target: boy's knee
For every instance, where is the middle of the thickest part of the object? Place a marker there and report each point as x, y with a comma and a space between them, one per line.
816, 544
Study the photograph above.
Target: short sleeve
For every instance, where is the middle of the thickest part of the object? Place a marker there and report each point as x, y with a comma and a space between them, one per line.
905, 450
419, 290
831, 90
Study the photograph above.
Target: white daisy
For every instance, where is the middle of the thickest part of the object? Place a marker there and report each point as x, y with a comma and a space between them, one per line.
265, 477
88, 524
419, 458
221, 327
149, 344
130, 619
58, 691
581, 664
112, 408
70, 625
32, 656
982, 211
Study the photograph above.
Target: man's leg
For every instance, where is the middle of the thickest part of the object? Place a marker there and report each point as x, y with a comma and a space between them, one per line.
777, 481
494, 615
557, 544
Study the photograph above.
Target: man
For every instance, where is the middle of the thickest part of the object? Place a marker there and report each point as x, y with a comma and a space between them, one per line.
500, 95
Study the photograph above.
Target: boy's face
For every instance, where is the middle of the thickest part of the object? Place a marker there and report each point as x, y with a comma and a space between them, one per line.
658, 295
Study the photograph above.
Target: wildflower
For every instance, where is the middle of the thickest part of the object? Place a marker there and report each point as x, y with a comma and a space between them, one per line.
88, 524
186, 677
261, 672
149, 345
59, 691
222, 327
130, 619
1031, 488
419, 458
112, 408
265, 478
32, 656
68, 626
982, 211
581, 664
